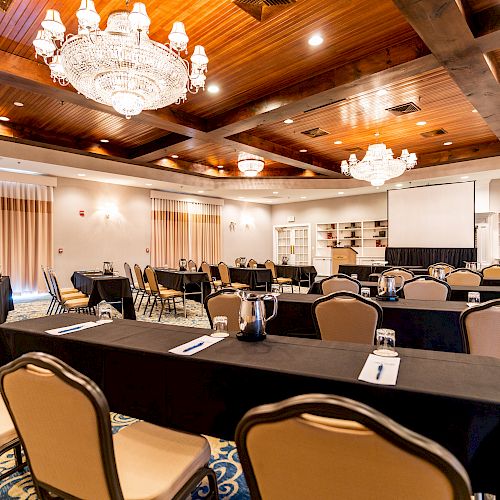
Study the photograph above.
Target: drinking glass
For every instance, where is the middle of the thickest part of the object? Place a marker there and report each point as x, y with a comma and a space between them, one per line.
473, 298
220, 327
385, 339
354, 276
365, 292
193, 269
104, 311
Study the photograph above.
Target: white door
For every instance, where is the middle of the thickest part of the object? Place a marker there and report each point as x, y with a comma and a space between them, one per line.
294, 242
483, 244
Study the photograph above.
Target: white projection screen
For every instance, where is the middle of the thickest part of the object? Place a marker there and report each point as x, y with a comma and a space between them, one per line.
439, 216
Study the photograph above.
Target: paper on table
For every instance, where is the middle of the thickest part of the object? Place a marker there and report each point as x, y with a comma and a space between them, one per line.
72, 328
388, 372
195, 345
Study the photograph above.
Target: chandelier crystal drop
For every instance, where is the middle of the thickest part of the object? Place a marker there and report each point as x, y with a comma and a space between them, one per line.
250, 165
121, 66
378, 165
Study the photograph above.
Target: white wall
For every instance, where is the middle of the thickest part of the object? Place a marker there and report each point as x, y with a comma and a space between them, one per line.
252, 234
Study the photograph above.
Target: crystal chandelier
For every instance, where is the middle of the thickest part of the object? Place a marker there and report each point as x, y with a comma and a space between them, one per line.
121, 66
378, 165
250, 164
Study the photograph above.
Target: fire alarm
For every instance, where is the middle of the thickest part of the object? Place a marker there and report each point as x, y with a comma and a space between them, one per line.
82, 213
147, 250
59, 250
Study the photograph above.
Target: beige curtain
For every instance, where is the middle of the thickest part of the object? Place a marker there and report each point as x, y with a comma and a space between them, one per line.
186, 230
26, 233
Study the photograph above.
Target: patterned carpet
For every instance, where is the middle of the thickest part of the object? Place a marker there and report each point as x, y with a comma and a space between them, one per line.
224, 459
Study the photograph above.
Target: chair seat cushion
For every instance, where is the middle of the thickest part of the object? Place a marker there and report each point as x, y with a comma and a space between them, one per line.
73, 296
68, 290
217, 283
7, 430
74, 303
239, 285
155, 462
283, 281
166, 293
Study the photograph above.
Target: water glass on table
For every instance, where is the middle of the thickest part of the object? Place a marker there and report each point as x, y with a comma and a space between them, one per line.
354, 276
220, 327
104, 311
385, 341
473, 298
365, 292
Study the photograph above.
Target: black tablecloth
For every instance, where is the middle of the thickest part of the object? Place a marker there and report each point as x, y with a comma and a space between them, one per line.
364, 271
6, 302
185, 281
419, 324
451, 398
491, 281
427, 256
297, 273
252, 276
113, 289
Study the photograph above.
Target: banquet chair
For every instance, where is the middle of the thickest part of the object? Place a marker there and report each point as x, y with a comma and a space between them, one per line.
426, 288
480, 326
464, 277
280, 282
191, 264
142, 288
325, 446
252, 263
162, 294
346, 317
77, 302
492, 271
71, 451
448, 268
68, 293
237, 261
339, 283
224, 302
130, 277
400, 273
226, 278
205, 267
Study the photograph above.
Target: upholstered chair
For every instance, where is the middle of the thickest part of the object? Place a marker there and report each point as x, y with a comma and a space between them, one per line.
224, 302
161, 294
226, 278
340, 283
464, 277
491, 271
281, 282
401, 274
191, 265
426, 288
252, 263
205, 267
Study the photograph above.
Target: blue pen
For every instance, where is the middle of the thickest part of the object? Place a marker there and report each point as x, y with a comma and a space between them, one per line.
79, 327
379, 370
193, 347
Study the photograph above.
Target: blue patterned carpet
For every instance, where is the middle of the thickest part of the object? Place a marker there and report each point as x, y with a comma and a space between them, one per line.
224, 457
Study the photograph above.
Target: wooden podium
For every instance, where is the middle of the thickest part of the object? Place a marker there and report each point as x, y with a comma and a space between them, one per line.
341, 256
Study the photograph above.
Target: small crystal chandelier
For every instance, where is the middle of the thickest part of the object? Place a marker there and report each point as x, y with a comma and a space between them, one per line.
378, 165
250, 164
121, 66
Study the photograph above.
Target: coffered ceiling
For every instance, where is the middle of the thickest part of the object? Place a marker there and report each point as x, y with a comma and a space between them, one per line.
375, 55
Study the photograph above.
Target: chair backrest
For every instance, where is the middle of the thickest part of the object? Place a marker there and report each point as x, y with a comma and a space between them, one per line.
346, 317
237, 261
340, 283
139, 277
319, 446
128, 274
55, 285
252, 263
491, 271
400, 273
448, 268
62, 420
191, 264
480, 327
225, 302
224, 273
426, 288
152, 279
205, 267
464, 277
48, 283
269, 264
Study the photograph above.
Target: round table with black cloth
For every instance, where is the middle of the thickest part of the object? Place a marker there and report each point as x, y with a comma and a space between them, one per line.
185, 281
6, 302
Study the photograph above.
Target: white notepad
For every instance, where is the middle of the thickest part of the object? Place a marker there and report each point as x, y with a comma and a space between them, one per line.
380, 370
72, 328
195, 345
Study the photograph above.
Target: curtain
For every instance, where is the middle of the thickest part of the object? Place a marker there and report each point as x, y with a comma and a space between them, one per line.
182, 229
26, 234
427, 256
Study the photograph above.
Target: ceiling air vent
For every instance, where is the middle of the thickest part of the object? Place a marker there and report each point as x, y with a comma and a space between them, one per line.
354, 150
5, 4
315, 132
433, 133
262, 10
403, 109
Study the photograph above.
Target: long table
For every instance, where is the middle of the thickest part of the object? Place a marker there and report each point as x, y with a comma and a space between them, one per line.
257, 278
419, 324
6, 302
195, 284
363, 271
451, 398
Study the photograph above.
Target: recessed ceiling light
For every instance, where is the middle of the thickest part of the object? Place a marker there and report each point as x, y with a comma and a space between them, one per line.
340, 192
288, 121
421, 124
376, 134
474, 110
4, 119
382, 92
302, 150
175, 156
220, 166
81, 175
337, 142
315, 40
213, 89
149, 184
105, 140
447, 143
399, 185
464, 177
241, 197
275, 192
18, 104
303, 197
201, 192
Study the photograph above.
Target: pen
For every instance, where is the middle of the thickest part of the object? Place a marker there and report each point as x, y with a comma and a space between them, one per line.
193, 347
79, 327
379, 371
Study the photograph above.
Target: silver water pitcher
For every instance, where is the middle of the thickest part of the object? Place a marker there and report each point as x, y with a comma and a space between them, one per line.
253, 315
439, 273
387, 289
107, 268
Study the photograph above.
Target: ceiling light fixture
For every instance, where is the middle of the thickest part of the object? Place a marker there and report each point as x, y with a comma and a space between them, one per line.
149, 184
4, 119
121, 66
421, 124
81, 175
303, 197
399, 185
337, 142
464, 177
220, 167
378, 164
275, 192
340, 192
104, 140
447, 143
302, 150
213, 89
18, 104
474, 111
288, 121
315, 40
175, 157
382, 92
250, 165
201, 192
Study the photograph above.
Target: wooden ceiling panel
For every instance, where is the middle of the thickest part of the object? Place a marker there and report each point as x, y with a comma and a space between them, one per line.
478, 5
356, 121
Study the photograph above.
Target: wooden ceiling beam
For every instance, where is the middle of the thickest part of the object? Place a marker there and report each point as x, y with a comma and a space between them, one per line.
485, 21
443, 27
156, 149
464, 153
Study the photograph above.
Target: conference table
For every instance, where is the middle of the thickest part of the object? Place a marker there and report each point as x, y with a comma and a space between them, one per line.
451, 398
419, 324
458, 292
113, 289
257, 278
194, 284
363, 271
6, 302
298, 274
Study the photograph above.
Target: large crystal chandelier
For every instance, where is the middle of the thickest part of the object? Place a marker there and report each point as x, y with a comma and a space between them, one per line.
250, 164
378, 165
121, 66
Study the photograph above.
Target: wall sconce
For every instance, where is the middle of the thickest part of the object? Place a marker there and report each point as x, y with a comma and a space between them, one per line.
232, 226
